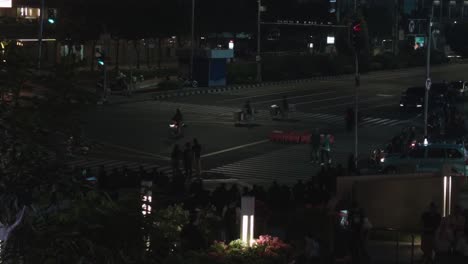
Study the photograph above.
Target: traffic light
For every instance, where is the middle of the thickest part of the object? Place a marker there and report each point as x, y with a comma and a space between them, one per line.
51, 17
100, 57
356, 35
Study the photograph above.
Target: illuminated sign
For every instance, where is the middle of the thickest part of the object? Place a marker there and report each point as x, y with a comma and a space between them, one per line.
5, 3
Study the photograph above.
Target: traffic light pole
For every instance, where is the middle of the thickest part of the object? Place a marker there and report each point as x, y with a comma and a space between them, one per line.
41, 32
428, 74
356, 108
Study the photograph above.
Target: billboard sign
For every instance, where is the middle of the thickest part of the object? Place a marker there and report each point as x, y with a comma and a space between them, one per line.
5, 3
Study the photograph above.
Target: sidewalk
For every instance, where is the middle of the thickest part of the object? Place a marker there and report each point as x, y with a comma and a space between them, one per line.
385, 252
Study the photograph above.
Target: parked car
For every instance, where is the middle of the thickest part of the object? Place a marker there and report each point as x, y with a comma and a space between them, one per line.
427, 158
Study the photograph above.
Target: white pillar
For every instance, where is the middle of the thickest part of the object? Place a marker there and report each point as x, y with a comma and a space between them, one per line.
247, 220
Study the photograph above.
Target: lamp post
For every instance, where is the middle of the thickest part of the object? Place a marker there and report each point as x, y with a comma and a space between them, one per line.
259, 58
41, 32
247, 220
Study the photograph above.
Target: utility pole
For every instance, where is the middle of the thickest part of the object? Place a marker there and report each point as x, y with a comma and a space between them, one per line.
357, 41
41, 32
428, 71
259, 57
192, 53
356, 107
396, 38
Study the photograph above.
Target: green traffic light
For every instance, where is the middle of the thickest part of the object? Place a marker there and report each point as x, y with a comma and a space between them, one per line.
51, 21
101, 62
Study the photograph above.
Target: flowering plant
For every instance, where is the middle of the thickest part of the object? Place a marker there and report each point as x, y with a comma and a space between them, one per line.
266, 249
270, 246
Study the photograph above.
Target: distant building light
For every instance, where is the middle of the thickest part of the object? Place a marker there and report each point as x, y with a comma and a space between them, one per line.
455, 22
311, 45
231, 44
330, 40
173, 37
202, 37
6, 3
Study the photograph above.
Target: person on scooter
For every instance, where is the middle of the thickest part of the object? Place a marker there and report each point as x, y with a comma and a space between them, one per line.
248, 110
178, 120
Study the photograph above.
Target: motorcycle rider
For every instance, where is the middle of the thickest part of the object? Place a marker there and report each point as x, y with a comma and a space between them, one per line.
248, 110
177, 118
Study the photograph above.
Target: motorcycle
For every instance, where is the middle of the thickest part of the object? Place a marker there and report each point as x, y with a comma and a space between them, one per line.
176, 129
188, 83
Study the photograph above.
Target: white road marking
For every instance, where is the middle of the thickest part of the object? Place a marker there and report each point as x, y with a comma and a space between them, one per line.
324, 100
289, 98
137, 151
235, 148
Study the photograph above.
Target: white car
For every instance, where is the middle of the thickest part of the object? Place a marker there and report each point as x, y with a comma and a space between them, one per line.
430, 158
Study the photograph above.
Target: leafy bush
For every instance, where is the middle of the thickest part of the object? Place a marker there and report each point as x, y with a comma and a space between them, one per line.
266, 249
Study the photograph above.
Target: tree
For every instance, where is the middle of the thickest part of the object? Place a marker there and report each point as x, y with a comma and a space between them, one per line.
67, 220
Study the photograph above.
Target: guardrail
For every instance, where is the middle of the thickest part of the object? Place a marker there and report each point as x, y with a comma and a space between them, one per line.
397, 240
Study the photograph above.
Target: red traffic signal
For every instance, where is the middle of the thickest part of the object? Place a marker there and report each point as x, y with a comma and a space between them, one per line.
356, 35
357, 27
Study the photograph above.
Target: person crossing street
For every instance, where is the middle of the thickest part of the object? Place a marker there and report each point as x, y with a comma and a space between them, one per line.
325, 149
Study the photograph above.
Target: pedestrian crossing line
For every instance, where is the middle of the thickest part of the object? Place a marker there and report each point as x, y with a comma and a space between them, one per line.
394, 122
285, 166
375, 121
264, 115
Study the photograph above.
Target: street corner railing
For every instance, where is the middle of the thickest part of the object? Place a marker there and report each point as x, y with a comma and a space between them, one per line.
397, 236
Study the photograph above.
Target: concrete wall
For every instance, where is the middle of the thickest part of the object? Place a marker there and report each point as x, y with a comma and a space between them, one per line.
397, 201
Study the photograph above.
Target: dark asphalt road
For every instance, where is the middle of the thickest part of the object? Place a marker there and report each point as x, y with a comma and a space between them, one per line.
138, 131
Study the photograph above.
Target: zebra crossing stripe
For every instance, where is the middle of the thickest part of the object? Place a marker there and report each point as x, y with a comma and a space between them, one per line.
375, 121
394, 122
265, 114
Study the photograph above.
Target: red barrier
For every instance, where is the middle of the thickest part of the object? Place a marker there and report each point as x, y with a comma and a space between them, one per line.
290, 137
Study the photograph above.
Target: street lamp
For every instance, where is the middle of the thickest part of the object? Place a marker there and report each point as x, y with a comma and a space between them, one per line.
259, 58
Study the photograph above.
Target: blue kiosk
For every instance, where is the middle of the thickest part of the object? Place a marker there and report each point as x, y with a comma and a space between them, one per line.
210, 65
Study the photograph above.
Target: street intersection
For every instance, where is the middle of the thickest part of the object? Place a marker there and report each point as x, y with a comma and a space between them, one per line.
132, 133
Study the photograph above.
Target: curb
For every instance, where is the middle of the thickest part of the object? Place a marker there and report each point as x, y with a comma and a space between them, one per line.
165, 95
